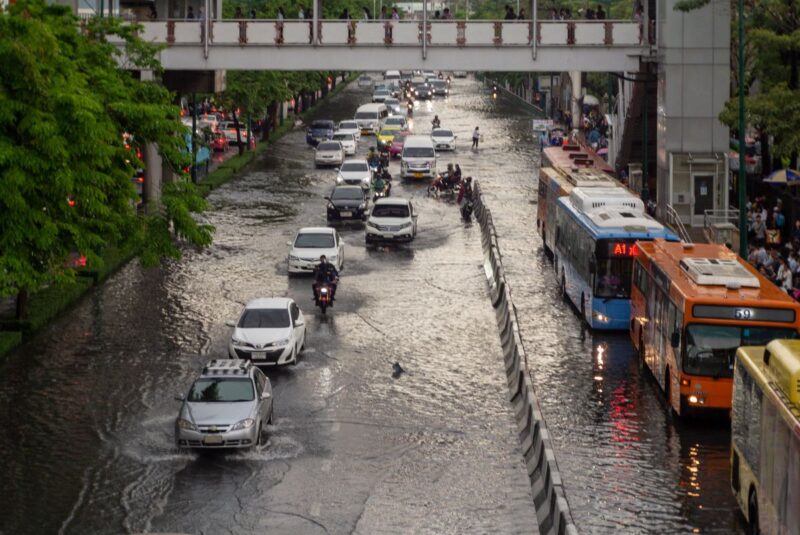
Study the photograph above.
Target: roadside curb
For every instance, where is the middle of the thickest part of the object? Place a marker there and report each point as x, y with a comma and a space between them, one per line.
552, 509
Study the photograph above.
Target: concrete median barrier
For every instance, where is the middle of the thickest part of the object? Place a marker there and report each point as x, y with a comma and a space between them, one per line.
552, 508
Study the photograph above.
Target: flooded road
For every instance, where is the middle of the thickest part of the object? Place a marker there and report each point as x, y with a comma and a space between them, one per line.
627, 466
88, 409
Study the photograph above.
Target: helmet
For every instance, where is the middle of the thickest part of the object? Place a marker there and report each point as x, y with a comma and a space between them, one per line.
372, 149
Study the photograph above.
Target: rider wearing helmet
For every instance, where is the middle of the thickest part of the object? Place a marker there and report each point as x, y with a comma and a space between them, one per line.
436, 122
372, 157
325, 273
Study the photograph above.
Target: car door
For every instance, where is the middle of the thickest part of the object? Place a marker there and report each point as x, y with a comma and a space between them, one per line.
299, 326
413, 218
264, 402
340, 247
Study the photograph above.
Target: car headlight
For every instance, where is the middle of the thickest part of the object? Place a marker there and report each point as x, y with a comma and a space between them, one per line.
339, 179
284, 341
365, 180
331, 206
362, 206
247, 423
186, 424
406, 224
371, 224
293, 257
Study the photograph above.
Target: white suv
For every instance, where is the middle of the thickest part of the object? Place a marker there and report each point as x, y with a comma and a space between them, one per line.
391, 219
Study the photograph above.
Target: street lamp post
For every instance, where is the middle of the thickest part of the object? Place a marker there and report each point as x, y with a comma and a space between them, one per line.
742, 174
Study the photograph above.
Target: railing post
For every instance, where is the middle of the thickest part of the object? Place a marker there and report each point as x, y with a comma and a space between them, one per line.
387, 33
242, 32
571, 32
170, 32
461, 38
279, 32
498, 33
608, 38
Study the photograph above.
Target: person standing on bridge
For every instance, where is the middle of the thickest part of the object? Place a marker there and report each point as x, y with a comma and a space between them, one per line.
476, 136
600, 14
384, 15
522, 15
395, 14
510, 13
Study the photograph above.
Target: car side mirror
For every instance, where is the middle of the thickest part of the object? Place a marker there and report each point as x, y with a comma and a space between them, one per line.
179, 397
289, 243
266, 395
230, 323
299, 323
675, 339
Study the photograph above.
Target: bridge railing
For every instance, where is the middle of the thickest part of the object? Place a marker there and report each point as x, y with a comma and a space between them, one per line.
482, 33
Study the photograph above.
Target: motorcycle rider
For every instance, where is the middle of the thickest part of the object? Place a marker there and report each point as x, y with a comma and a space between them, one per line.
410, 106
436, 123
325, 273
372, 157
465, 194
380, 183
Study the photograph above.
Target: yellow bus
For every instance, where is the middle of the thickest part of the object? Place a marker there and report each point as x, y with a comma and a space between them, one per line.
765, 437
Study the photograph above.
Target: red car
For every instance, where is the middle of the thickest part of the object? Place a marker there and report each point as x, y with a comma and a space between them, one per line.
219, 143
396, 148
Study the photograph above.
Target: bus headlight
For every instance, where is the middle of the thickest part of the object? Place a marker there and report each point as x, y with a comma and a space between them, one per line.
600, 317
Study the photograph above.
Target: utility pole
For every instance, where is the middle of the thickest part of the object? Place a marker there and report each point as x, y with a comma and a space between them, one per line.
742, 173
645, 145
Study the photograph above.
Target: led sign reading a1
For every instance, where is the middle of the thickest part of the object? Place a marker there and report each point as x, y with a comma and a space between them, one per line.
623, 249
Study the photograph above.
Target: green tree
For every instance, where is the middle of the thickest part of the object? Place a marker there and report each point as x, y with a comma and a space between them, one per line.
65, 175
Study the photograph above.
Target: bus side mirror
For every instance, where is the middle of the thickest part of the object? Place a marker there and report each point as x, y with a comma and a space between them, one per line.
675, 339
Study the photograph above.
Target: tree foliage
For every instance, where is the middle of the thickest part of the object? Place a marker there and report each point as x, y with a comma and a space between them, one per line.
65, 174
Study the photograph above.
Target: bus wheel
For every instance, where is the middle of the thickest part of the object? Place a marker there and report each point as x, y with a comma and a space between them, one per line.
752, 514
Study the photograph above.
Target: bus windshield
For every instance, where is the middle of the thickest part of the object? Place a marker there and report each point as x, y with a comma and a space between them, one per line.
613, 278
710, 349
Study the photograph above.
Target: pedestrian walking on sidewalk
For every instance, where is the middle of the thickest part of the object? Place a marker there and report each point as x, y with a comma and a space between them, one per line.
476, 136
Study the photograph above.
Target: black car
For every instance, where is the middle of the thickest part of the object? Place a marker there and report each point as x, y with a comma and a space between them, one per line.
348, 202
423, 90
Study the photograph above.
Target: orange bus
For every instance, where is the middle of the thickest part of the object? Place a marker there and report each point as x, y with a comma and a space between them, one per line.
692, 306
562, 169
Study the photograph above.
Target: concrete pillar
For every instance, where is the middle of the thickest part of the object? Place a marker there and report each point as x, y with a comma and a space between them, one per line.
693, 86
152, 177
577, 90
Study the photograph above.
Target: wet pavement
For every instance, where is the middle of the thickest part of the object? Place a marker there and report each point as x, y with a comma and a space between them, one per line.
627, 466
88, 409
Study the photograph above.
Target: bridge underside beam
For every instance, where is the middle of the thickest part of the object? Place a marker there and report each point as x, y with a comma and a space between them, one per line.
548, 59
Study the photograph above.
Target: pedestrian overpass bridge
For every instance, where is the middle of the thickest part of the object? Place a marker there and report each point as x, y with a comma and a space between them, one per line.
480, 45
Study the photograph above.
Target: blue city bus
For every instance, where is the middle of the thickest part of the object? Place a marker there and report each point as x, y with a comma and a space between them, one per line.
595, 243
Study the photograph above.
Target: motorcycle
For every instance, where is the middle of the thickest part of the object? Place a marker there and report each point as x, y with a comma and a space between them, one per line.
383, 159
324, 296
444, 185
494, 91
410, 108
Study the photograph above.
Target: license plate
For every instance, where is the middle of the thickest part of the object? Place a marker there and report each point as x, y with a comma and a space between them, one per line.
258, 354
346, 214
213, 439
418, 175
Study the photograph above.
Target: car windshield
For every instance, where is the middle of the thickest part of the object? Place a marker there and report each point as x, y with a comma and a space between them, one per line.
328, 146
440, 132
264, 318
438, 83
366, 115
221, 389
391, 101
390, 210
354, 167
382, 92
310, 240
388, 131
711, 349
400, 137
613, 278
321, 124
349, 125
343, 137
394, 121
421, 86
351, 194
419, 152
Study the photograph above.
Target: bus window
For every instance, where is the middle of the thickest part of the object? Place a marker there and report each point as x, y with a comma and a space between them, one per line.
710, 349
613, 278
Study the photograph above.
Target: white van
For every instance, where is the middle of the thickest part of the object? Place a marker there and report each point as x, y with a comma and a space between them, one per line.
370, 117
392, 75
419, 158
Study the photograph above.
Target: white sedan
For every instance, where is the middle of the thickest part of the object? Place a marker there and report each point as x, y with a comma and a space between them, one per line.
348, 142
350, 127
355, 173
328, 153
269, 332
311, 243
443, 139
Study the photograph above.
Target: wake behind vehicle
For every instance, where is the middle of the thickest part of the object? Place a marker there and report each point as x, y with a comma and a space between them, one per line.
227, 406
320, 130
328, 153
391, 219
347, 203
269, 332
311, 243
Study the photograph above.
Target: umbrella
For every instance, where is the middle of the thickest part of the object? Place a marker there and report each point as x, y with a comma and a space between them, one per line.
590, 100
784, 176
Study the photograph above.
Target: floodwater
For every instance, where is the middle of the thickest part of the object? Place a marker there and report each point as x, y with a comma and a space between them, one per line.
88, 410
